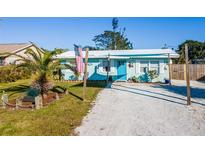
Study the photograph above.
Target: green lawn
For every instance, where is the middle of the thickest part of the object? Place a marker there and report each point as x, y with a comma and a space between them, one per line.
59, 118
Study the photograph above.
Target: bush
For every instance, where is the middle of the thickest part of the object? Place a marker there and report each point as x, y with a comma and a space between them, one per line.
10, 73
134, 79
152, 74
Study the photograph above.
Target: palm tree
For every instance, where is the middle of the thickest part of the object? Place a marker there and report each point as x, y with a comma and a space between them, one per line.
42, 64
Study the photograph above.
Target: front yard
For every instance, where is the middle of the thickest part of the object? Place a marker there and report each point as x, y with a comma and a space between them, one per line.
59, 118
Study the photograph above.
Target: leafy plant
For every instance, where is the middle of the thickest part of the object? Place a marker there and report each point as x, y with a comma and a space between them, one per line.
12, 73
134, 79
152, 74
41, 64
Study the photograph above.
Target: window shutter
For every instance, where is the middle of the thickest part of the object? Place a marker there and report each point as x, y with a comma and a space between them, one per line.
161, 66
137, 67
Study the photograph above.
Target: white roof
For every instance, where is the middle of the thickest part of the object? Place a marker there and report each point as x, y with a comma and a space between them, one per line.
124, 53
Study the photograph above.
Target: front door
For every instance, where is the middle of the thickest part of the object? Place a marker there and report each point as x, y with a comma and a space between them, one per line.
121, 70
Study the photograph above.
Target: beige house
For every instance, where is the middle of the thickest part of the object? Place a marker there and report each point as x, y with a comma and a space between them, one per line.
18, 48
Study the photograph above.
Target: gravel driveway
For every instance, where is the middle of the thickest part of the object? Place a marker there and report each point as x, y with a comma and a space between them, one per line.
146, 109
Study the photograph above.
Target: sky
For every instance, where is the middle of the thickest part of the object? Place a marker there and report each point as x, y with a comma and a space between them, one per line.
144, 33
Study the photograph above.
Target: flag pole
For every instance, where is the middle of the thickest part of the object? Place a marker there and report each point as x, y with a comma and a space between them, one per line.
169, 65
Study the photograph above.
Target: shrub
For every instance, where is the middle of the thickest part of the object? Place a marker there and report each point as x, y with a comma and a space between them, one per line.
152, 74
134, 79
10, 73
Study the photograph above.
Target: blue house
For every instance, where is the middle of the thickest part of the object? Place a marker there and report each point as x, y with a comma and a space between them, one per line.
124, 64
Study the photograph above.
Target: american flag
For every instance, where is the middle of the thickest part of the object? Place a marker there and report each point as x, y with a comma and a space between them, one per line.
79, 58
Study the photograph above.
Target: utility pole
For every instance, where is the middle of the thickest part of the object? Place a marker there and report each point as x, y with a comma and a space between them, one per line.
85, 75
169, 65
187, 76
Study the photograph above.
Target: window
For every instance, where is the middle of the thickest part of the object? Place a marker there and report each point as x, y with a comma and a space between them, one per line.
144, 66
154, 65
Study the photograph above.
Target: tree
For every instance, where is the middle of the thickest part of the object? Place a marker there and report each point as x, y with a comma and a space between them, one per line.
115, 24
196, 51
113, 40
90, 47
41, 64
59, 50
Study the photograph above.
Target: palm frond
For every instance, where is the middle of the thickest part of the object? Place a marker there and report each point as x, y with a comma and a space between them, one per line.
73, 69
33, 55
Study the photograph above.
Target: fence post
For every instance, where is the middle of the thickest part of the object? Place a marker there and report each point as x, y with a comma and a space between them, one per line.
187, 76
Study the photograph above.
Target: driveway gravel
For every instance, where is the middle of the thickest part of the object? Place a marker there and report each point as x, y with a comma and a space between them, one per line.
146, 109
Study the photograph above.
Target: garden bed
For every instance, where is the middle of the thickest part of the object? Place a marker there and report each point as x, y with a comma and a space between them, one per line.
29, 103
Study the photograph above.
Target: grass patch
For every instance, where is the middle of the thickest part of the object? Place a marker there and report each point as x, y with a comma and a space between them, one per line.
57, 119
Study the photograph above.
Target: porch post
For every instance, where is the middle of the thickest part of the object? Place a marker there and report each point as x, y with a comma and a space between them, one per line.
169, 65
108, 67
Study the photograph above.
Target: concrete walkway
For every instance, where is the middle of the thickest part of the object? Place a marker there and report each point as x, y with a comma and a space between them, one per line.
146, 109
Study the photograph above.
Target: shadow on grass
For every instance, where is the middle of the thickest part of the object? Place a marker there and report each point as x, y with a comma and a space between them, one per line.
78, 97
15, 89
23, 88
91, 84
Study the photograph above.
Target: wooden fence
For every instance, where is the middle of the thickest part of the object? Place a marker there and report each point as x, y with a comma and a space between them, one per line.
197, 71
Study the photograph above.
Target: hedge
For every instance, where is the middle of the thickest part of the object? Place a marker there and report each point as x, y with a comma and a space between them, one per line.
10, 73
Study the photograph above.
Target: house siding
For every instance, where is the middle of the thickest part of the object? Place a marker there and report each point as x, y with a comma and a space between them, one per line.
95, 69
12, 58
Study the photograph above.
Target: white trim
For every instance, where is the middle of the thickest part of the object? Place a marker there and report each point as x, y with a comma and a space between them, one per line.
137, 66
161, 66
119, 57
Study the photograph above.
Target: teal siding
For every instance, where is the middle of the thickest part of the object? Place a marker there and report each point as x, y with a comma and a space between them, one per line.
130, 69
93, 70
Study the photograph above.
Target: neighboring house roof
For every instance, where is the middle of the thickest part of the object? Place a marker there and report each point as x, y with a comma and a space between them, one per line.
13, 47
123, 53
